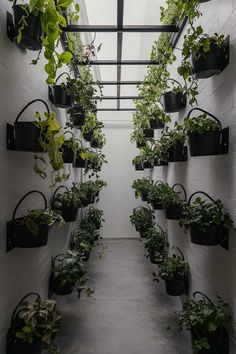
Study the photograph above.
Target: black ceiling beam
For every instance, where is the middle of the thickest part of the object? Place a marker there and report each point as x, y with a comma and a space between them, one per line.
119, 98
120, 62
135, 29
116, 109
104, 83
120, 20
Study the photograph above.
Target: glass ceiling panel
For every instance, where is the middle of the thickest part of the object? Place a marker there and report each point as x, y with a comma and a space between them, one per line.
127, 104
138, 46
108, 72
140, 12
102, 12
107, 104
129, 90
109, 90
133, 72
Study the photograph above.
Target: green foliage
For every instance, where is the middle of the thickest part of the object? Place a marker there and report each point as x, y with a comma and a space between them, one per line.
204, 214
170, 197
142, 186
67, 199
205, 317
172, 137
95, 217
137, 160
99, 138
41, 322
37, 217
174, 268
201, 124
142, 218
72, 143
155, 242
94, 163
89, 189
155, 192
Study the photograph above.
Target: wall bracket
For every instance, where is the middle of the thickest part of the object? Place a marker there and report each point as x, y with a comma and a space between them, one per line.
10, 236
224, 239
224, 146
11, 143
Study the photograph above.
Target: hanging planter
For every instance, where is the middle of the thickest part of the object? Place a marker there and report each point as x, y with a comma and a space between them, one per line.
160, 163
174, 271
58, 95
154, 195
212, 62
55, 284
173, 204
206, 136
32, 31
19, 231
139, 167
156, 123
88, 136
143, 219
25, 136
156, 244
148, 133
77, 116
147, 165
66, 204
69, 148
174, 101
208, 222
140, 144
177, 153
206, 320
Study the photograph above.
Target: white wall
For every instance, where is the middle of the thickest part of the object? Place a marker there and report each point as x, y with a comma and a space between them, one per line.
22, 270
212, 268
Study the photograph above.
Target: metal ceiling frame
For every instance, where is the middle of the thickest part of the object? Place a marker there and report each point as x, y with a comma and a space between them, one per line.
120, 28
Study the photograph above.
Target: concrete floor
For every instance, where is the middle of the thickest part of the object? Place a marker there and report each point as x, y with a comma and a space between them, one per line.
129, 315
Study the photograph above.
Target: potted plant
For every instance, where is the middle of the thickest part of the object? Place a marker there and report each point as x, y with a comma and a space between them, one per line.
173, 143
172, 202
143, 219
95, 217
67, 274
155, 195
81, 157
33, 32
206, 322
87, 191
98, 138
138, 163
156, 244
204, 133
88, 129
82, 241
67, 203
69, 148
174, 100
174, 271
138, 137
58, 94
34, 326
208, 222
158, 118
158, 154
32, 230
94, 163
77, 116
142, 187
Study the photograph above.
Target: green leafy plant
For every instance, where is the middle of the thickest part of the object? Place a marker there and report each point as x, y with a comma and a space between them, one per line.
170, 197
98, 138
94, 163
142, 218
142, 186
174, 268
40, 322
200, 124
91, 124
155, 193
67, 199
68, 268
156, 244
71, 143
38, 217
203, 317
137, 160
95, 217
156, 153
52, 22
171, 137
203, 214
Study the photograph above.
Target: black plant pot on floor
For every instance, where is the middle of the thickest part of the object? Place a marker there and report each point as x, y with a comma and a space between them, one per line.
59, 289
148, 133
210, 63
218, 341
58, 95
176, 287
156, 124
177, 153
31, 34
27, 134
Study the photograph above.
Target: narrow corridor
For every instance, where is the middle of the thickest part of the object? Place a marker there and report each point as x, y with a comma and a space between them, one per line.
129, 315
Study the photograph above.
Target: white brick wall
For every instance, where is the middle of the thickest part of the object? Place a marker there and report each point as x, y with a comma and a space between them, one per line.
22, 270
212, 268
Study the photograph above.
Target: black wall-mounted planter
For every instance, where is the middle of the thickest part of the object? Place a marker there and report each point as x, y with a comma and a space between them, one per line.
151, 255
77, 116
139, 167
157, 205
24, 136
218, 341
160, 163
144, 197
139, 145
59, 97
31, 34
148, 133
174, 102
68, 154
176, 287
96, 145
173, 212
19, 236
88, 136
26, 348
179, 153
147, 165
58, 289
68, 212
211, 63
156, 124
79, 162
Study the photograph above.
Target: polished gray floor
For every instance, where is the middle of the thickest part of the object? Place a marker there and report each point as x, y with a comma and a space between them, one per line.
129, 315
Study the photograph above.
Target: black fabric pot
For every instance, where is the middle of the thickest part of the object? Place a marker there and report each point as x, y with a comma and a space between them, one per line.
68, 154
60, 97
59, 289
69, 213
77, 116
210, 237
79, 162
148, 133
176, 287
88, 136
157, 205
23, 348
176, 153
27, 137
174, 102
156, 124
204, 144
217, 340
24, 238
173, 212
210, 63
32, 32
139, 167
147, 165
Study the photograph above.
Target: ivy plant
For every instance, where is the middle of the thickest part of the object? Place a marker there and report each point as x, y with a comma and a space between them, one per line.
171, 137
200, 124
